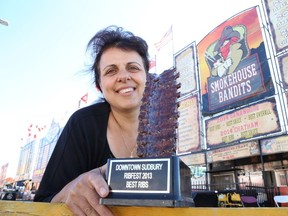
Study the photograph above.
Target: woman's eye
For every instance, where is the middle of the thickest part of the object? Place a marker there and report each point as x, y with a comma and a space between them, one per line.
110, 71
133, 68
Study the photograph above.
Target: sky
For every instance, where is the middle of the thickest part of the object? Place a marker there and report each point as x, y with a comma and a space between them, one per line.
43, 59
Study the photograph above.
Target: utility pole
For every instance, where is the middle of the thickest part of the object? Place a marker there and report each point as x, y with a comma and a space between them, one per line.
3, 22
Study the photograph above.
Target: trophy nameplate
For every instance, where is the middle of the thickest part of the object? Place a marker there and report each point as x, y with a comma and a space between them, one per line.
148, 182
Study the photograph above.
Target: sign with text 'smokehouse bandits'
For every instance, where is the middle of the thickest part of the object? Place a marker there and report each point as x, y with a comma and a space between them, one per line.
249, 122
234, 69
277, 12
283, 64
188, 125
185, 62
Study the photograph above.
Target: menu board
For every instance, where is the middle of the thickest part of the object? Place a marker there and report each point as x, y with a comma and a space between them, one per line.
278, 20
188, 125
283, 65
249, 122
185, 62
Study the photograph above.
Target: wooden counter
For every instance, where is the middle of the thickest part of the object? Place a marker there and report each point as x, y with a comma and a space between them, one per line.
16, 208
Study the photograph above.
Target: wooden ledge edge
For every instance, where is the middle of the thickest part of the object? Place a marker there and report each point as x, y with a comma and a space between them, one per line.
10, 208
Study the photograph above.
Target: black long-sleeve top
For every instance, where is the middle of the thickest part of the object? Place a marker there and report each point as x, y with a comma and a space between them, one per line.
81, 147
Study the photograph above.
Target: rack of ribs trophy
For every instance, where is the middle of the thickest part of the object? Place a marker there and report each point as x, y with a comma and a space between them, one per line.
157, 177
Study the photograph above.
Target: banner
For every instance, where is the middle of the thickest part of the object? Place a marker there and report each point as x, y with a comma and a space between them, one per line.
193, 159
277, 12
274, 145
249, 122
234, 69
233, 152
283, 64
185, 62
188, 125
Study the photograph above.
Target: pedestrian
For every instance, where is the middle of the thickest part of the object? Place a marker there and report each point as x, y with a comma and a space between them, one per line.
108, 129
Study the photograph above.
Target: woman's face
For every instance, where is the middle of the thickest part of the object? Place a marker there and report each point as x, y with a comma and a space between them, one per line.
122, 78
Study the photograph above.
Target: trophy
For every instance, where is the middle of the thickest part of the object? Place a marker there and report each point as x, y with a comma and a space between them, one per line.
158, 177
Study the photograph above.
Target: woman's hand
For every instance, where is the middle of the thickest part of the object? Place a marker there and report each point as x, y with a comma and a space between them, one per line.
83, 193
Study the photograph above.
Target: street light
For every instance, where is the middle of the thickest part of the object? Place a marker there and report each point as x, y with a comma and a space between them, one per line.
3, 22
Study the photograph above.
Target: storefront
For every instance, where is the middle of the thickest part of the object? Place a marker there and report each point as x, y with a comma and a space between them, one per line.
259, 166
226, 165
275, 157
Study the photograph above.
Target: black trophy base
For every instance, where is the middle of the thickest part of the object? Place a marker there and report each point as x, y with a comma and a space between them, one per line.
147, 202
148, 182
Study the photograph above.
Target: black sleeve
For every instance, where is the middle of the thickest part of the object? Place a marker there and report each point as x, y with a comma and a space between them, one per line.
82, 146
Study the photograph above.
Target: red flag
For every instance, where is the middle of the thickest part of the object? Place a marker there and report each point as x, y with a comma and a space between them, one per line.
30, 127
152, 63
166, 38
84, 98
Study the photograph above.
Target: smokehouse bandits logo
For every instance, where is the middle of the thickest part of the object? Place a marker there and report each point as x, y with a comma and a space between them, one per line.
234, 74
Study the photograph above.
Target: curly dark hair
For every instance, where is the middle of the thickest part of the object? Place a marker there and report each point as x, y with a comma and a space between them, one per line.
114, 36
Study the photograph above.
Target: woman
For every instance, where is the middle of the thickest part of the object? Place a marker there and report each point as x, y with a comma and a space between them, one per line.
75, 172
